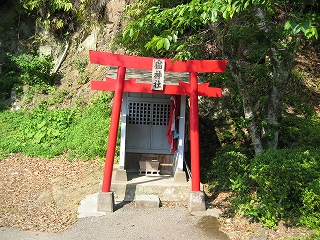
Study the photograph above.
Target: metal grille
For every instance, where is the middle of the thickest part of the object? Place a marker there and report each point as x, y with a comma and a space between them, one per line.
160, 114
139, 113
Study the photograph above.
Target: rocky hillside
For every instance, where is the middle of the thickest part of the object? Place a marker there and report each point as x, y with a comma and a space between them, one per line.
71, 56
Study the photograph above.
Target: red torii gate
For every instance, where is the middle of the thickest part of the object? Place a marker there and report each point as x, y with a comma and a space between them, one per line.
119, 85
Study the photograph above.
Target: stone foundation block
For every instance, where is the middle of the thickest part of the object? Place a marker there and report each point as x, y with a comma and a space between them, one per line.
147, 201
105, 202
196, 202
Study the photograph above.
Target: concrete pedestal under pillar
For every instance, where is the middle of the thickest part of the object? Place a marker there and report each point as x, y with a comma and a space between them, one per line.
120, 175
180, 176
105, 202
196, 202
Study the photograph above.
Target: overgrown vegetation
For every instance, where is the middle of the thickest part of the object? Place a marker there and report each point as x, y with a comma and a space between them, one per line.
280, 185
62, 17
276, 185
26, 69
80, 131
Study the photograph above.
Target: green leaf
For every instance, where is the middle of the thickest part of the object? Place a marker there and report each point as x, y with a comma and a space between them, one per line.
166, 43
40, 125
131, 33
194, 25
311, 32
38, 137
305, 25
160, 44
287, 25
246, 4
213, 16
175, 37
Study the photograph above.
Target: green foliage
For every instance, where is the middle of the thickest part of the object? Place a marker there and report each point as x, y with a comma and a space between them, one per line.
34, 70
26, 69
280, 185
87, 137
45, 126
310, 211
10, 123
175, 29
229, 164
54, 5
80, 64
308, 25
53, 14
81, 131
8, 77
60, 17
42, 131
300, 131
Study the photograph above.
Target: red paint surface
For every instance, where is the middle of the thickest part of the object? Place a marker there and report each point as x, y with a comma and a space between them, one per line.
131, 86
145, 63
194, 133
114, 125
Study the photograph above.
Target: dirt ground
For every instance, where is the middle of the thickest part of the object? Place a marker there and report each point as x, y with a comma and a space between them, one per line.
44, 195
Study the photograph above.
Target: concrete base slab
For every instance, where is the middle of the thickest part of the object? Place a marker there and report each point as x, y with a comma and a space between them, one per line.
147, 201
167, 191
88, 207
105, 202
163, 186
212, 212
180, 177
120, 175
196, 202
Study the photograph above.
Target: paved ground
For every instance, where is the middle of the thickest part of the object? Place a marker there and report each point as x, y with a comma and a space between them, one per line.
128, 222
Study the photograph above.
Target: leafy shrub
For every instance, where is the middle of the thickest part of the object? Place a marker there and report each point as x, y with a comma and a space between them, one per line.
310, 211
44, 125
34, 69
229, 163
8, 77
80, 64
277, 181
62, 17
300, 131
25, 69
42, 131
10, 122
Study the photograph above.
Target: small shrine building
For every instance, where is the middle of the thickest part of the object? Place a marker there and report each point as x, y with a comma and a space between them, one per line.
152, 97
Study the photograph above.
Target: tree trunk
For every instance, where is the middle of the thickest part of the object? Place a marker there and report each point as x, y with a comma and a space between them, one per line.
253, 126
281, 69
265, 134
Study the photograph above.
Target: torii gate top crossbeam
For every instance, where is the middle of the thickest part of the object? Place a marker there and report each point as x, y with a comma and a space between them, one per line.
145, 63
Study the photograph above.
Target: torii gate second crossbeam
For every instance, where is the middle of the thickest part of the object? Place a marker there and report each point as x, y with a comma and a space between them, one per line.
119, 85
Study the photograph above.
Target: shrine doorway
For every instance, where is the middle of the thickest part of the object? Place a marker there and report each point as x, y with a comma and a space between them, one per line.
147, 123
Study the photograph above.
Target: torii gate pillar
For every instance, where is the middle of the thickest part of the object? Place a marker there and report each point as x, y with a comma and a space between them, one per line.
197, 197
106, 197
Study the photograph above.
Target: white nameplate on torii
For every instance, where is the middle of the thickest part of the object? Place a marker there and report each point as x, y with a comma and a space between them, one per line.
158, 67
